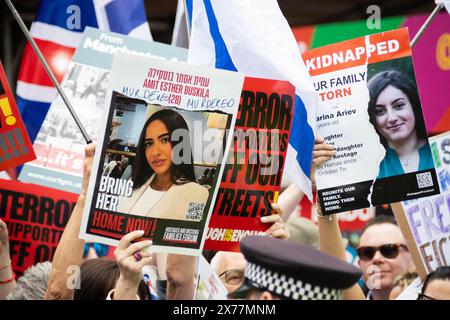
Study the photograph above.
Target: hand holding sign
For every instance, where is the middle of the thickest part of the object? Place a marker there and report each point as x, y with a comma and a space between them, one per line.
278, 228
322, 152
131, 258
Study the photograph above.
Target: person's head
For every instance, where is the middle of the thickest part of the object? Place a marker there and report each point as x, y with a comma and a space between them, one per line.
98, 277
394, 107
33, 284
436, 285
401, 283
383, 254
278, 269
229, 266
155, 149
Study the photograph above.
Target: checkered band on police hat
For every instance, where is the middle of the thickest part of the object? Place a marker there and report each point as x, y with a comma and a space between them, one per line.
286, 286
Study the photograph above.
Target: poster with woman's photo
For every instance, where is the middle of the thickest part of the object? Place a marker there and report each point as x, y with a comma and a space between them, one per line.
369, 109
160, 159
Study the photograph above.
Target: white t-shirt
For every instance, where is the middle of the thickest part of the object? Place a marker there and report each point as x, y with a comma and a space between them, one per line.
150, 197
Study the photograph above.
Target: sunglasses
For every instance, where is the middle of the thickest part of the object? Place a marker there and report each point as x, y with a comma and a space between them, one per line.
390, 251
233, 277
100, 249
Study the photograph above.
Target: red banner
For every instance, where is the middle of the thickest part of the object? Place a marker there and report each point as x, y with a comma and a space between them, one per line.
15, 145
36, 217
252, 174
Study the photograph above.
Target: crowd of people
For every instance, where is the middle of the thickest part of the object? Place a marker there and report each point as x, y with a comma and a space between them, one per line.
295, 260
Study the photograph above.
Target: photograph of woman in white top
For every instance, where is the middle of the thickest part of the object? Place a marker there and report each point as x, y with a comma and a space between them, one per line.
162, 187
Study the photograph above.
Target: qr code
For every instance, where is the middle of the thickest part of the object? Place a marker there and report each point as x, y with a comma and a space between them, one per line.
424, 180
195, 210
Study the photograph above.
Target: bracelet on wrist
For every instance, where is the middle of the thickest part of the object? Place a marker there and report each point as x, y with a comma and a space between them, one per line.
11, 279
320, 215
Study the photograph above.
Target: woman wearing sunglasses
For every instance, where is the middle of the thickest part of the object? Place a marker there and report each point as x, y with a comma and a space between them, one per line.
436, 285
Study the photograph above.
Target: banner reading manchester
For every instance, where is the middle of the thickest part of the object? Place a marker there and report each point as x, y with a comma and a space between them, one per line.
369, 109
36, 217
163, 140
252, 175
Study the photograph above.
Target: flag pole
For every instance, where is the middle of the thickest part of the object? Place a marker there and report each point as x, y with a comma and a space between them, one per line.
186, 15
47, 68
427, 23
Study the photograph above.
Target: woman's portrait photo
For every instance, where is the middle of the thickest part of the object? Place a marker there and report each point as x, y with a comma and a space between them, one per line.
164, 187
395, 112
153, 147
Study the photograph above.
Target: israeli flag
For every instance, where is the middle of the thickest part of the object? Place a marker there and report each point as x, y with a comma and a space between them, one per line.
125, 17
254, 38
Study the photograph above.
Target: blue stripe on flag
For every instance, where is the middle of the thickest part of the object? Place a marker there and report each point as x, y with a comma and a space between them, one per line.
189, 6
125, 15
302, 136
56, 12
223, 59
33, 115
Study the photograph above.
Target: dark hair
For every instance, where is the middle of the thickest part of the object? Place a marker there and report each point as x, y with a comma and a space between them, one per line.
381, 219
441, 273
98, 277
181, 173
394, 78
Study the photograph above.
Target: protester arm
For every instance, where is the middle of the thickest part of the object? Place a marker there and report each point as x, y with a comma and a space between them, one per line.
7, 278
330, 237
288, 201
180, 277
331, 242
69, 253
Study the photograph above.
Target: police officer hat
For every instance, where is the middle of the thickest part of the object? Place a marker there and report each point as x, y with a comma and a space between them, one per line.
293, 271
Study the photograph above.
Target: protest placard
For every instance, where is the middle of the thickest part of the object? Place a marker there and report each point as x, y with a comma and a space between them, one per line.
425, 223
36, 217
173, 119
15, 145
252, 175
349, 221
209, 285
430, 56
369, 109
59, 144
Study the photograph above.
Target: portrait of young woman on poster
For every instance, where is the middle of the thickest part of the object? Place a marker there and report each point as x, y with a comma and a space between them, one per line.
164, 187
394, 111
